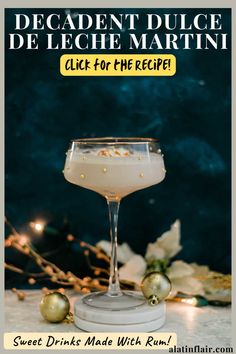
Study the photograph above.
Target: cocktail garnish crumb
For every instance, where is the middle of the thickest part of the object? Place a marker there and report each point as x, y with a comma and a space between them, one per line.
104, 153
113, 153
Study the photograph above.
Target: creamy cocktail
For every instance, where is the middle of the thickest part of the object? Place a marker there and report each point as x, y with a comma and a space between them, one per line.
114, 173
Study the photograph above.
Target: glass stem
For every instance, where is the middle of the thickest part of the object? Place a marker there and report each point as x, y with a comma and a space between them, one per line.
114, 285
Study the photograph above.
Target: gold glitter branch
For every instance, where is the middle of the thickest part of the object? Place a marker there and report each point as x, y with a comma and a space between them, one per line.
56, 275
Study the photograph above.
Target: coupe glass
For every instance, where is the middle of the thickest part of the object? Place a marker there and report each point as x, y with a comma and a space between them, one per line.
114, 168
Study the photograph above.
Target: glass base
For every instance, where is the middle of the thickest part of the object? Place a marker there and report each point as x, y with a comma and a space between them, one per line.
124, 301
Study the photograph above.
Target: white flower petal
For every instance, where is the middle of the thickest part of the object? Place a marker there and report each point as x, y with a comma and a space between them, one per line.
170, 240
134, 269
154, 252
187, 285
166, 246
124, 252
200, 270
179, 269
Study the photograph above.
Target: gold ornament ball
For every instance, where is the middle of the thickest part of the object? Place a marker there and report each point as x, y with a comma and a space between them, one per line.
156, 287
54, 307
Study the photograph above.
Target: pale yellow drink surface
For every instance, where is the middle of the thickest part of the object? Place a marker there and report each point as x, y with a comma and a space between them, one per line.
114, 176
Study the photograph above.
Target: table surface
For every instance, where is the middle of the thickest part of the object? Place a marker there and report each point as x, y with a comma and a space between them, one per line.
194, 326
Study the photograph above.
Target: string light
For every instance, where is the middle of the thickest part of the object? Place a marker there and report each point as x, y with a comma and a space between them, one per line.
37, 226
193, 301
23, 239
197, 300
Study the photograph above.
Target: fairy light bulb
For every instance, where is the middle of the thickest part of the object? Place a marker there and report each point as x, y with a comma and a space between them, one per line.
37, 226
23, 240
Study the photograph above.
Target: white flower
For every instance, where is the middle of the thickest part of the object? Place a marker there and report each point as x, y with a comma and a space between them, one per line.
182, 276
124, 252
166, 246
200, 270
217, 286
134, 269
134, 265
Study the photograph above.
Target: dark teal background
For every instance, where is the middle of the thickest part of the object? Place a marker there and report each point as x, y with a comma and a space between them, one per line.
190, 113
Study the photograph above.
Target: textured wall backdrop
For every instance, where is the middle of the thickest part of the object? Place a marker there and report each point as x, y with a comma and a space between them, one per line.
190, 113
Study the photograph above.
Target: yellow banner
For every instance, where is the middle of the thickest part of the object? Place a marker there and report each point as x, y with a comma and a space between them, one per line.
118, 65
96, 341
